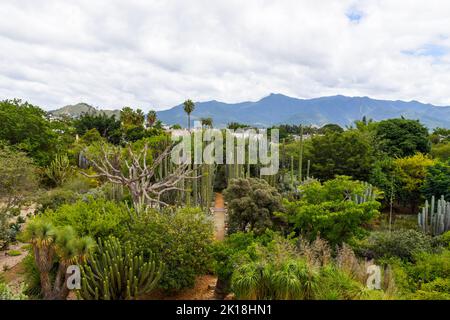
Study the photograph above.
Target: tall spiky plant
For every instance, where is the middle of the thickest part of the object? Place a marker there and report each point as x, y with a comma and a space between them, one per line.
118, 272
52, 245
59, 169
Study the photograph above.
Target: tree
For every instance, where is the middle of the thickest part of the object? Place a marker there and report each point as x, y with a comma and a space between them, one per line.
134, 171
107, 126
62, 245
441, 151
131, 118
26, 127
336, 210
410, 174
347, 153
189, 107
206, 122
151, 118
237, 125
251, 204
437, 181
18, 180
331, 127
402, 137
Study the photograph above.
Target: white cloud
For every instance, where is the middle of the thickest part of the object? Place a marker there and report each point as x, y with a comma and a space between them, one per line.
155, 54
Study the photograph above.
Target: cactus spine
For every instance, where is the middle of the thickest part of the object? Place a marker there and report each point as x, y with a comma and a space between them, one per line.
117, 272
435, 219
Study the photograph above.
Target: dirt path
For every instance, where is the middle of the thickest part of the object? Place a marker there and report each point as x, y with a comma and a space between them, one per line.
9, 261
219, 217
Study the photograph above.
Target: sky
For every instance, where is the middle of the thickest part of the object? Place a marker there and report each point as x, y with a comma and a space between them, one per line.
156, 54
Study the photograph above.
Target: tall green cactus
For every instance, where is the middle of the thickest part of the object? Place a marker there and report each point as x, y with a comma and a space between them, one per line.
368, 194
118, 272
435, 219
300, 156
59, 169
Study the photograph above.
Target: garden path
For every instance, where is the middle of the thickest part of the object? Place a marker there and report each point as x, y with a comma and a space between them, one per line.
219, 212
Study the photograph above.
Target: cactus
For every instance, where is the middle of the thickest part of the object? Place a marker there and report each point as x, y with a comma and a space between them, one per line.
117, 272
300, 156
307, 169
59, 170
368, 194
435, 219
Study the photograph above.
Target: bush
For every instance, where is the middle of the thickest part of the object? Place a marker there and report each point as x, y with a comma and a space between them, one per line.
181, 240
402, 243
430, 266
251, 204
329, 210
7, 294
93, 217
13, 253
55, 198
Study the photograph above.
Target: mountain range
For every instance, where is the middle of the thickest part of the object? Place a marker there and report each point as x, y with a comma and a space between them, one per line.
280, 109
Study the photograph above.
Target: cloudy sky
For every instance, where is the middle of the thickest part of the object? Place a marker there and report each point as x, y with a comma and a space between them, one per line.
155, 54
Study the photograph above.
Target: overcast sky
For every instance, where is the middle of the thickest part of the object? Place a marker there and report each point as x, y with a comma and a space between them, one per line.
156, 54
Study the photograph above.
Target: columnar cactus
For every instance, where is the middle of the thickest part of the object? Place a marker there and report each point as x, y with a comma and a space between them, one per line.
117, 272
368, 195
435, 218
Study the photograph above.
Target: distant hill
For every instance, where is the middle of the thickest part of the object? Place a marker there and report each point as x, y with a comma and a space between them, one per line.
78, 109
280, 109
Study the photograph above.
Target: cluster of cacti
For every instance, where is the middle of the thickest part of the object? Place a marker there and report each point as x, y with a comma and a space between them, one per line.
118, 272
368, 194
435, 218
59, 169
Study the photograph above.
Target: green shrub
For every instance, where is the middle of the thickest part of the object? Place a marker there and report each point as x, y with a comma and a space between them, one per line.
329, 210
445, 239
32, 276
402, 243
181, 240
97, 218
53, 199
13, 253
251, 204
7, 294
430, 266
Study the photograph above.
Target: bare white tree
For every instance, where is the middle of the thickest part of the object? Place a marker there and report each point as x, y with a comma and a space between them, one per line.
138, 176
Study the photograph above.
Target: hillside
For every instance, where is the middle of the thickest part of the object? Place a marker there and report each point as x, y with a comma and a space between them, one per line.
277, 109
77, 109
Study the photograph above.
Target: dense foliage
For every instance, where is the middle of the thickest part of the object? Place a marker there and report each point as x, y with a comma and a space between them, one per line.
329, 210
252, 203
181, 240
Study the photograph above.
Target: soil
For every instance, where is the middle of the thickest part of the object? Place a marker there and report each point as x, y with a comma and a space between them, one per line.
219, 217
202, 290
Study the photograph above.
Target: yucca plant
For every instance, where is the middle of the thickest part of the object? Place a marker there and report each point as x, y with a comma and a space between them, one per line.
55, 245
290, 280
118, 272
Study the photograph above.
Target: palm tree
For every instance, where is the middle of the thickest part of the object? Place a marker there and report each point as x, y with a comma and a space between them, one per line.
189, 107
151, 118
